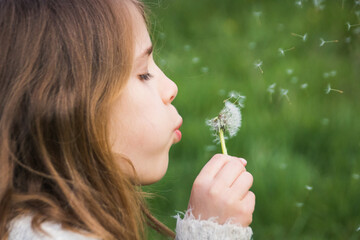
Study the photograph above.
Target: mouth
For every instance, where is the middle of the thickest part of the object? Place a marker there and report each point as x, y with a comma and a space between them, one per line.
178, 134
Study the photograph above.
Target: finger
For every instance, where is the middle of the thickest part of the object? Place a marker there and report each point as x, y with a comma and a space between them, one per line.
213, 166
229, 173
242, 184
248, 202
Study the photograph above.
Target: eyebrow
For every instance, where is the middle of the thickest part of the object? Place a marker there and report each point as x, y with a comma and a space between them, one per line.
147, 52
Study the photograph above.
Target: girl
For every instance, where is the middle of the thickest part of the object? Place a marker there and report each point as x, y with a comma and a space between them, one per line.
85, 119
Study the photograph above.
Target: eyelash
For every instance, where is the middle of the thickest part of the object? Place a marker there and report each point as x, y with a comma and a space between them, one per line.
145, 76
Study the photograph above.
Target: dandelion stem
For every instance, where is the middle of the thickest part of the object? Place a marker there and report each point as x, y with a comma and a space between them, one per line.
337, 90
222, 141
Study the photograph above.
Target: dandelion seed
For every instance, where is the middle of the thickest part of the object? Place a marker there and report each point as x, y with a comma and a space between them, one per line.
299, 3
271, 90
283, 166
358, 229
258, 64
328, 89
294, 79
318, 4
162, 62
348, 40
357, 2
349, 26
257, 14
304, 86
322, 41
357, 13
299, 204
284, 93
303, 37
282, 51
210, 148
325, 121
237, 97
333, 73
356, 176
222, 92
195, 60
252, 45
309, 188
162, 35
289, 71
204, 69
187, 47
227, 122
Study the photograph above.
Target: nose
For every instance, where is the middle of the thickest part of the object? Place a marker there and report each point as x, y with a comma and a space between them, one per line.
168, 90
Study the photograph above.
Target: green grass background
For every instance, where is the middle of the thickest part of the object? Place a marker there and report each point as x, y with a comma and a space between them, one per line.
208, 47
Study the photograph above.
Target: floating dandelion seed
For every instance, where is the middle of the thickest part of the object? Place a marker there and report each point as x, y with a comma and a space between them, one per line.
187, 47
257, 14
325, 121
330, 74
227, 122
356, 176
358, 229
282, 51
258, 64
299, 204
357, 2
289, 71
304, 86
322, 41
271, 90
294, 79
204, 69
299, 3
309, 188
195, 60
328, 89
238, 98
349, 26
283, 166
318, 4
252, 45
284, 93
303, 37
210, 148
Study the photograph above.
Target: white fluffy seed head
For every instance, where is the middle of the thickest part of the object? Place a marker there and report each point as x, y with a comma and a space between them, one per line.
229, 120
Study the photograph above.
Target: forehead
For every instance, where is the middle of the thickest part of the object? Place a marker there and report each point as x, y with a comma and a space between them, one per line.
141, 34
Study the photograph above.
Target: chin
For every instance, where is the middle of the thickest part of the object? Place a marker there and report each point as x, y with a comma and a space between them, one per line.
155, 174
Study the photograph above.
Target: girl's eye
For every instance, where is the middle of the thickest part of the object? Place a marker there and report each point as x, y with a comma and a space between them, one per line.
145, 76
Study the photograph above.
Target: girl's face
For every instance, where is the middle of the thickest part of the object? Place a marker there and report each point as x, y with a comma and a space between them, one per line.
144, 124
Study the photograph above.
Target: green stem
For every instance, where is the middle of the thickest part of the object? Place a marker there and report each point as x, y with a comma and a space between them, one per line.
222, 141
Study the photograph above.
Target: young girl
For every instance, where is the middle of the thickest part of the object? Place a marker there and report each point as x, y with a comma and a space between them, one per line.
86, 119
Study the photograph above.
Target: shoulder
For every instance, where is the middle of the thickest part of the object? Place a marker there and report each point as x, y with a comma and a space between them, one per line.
20, 229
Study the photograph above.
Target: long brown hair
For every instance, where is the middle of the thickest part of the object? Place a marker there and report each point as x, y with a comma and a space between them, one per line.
61, 65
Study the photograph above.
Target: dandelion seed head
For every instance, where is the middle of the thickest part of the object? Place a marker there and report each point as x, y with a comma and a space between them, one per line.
271, 88
304, 86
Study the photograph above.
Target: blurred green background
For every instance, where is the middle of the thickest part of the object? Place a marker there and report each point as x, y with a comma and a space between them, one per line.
304, 151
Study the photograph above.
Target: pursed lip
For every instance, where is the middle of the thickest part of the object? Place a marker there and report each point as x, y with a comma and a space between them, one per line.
179, 124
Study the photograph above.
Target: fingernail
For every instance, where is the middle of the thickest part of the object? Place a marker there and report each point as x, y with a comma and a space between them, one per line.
243, 161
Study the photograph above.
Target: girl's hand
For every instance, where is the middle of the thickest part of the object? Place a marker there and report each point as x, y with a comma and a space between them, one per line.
221, 190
